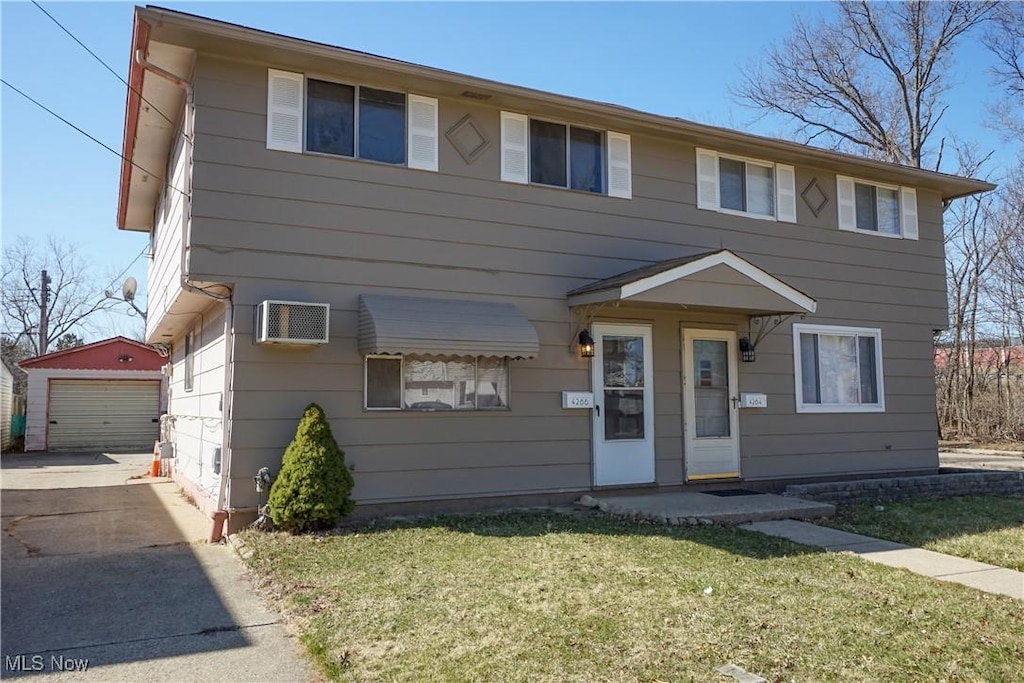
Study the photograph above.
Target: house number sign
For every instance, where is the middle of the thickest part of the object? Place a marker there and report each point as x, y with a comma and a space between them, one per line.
577, 399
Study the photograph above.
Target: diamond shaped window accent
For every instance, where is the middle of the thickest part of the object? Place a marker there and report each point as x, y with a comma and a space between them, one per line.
814, 197
467, 139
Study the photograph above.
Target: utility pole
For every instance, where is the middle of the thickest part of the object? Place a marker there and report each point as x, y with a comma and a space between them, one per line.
44, 301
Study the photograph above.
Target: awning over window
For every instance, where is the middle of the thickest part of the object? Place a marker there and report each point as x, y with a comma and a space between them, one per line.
711, 280
401, 324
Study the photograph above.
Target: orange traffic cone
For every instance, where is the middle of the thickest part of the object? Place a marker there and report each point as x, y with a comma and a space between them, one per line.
154, 470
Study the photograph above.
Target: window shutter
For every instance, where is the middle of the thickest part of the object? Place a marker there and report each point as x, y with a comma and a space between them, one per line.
284, 111
846, 202
785, 188
422, 131
514, 143
620, 162
707, 180
908, 212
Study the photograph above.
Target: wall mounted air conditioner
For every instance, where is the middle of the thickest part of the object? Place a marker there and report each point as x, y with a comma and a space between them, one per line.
291, 322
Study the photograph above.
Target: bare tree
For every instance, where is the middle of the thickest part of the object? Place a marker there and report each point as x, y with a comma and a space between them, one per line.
1005, 39
870, 81
979, 393
72, 295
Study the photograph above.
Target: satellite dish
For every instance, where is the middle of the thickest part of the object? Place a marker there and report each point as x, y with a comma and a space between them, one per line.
129, 288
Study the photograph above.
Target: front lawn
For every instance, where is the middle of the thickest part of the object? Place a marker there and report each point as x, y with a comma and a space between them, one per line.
984, 528
537, 596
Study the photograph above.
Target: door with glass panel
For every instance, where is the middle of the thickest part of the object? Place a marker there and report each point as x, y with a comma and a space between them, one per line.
623, 418
710, 405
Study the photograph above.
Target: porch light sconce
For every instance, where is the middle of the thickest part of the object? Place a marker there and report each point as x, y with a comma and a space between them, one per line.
586, 344
747, 354
124, 358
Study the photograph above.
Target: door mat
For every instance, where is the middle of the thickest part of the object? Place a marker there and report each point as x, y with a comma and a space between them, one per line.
728, 493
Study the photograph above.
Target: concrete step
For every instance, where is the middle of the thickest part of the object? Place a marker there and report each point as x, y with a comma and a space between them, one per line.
690, 507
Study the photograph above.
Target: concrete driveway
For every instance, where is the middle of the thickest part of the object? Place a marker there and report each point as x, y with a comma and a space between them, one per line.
981, 459
107, 576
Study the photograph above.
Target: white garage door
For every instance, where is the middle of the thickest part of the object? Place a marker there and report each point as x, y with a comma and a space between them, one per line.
107, 414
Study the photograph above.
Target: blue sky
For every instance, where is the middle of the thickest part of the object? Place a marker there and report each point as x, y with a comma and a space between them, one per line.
676, 59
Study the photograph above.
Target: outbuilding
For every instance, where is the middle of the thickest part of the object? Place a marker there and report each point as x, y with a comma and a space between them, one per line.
105, 395
6, 404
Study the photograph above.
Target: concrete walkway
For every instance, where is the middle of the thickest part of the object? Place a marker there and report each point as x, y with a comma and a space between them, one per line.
984, 577
111, 575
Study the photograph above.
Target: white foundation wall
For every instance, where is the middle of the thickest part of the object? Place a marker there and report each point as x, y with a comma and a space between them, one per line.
196, 419
37, 406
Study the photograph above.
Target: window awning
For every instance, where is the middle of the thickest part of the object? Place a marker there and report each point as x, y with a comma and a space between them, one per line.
711, 280
402, 324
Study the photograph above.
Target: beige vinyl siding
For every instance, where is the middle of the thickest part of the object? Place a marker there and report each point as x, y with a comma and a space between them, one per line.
171, 225
198, 426
322, 229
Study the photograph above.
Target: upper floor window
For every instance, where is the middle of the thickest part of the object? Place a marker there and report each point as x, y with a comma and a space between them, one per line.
335, 112
564, 155
838, 369
877, 208
752, 187
315, 115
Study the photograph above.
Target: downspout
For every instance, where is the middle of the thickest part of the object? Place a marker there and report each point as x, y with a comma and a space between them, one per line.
220, 517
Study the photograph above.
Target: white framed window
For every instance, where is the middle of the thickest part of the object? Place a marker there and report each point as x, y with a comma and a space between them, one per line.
838, 369
355, 121
876, 208
557, 154
436, 383
311, 114
190, 359
746, 187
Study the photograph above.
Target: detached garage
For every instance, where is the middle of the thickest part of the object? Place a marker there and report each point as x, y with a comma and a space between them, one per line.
102, 396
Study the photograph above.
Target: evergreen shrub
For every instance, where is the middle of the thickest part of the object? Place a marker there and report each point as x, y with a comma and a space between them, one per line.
313, 489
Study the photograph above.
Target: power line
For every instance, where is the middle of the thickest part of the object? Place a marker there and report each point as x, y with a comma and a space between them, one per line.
127, 268
101, 144
97, 58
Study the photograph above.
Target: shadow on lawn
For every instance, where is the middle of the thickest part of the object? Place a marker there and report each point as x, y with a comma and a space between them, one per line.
543, 522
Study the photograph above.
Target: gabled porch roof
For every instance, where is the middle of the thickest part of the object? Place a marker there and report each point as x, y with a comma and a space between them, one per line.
710, 280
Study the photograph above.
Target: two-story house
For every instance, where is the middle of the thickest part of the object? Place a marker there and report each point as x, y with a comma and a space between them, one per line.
499, 294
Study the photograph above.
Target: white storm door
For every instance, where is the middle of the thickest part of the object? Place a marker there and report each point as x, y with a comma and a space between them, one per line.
710, 405
623, 416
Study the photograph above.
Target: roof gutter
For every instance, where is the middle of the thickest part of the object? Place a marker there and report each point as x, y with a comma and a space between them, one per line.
140, 43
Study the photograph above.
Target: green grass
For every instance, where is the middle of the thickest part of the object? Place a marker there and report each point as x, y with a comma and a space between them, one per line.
551, 597
983, 528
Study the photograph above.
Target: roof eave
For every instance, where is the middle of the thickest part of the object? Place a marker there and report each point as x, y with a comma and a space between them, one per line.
949, 186
140, 41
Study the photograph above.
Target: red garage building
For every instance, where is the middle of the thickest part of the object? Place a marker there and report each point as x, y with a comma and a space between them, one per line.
106, 395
